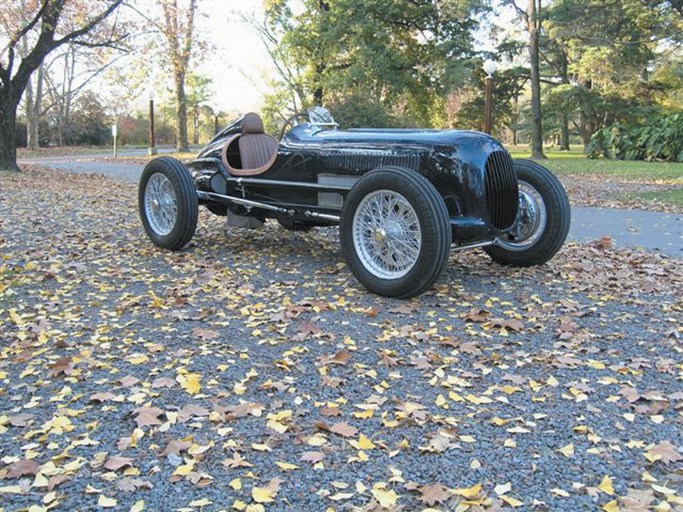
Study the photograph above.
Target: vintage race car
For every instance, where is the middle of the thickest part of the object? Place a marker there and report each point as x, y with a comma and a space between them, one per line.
403, 199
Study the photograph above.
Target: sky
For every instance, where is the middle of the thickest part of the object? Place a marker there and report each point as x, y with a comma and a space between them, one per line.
239, 65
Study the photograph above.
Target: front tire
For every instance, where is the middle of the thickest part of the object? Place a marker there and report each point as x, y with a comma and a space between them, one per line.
395, 233
542, 222
168, 204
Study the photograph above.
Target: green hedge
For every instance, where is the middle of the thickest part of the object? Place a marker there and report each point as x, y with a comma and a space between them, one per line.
661, 139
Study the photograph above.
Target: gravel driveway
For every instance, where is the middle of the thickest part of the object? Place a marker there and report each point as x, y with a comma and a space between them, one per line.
252, 372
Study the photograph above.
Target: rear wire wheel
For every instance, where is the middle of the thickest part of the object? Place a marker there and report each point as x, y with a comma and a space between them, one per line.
167, 200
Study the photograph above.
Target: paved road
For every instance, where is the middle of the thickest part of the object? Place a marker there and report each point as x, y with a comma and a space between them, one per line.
627, 228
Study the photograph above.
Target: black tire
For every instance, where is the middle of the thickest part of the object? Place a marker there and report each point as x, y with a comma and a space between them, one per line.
538, 238
419, 207
294, 225
175, 187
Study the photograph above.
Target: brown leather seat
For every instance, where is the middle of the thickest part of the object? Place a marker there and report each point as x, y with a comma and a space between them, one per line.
258, 150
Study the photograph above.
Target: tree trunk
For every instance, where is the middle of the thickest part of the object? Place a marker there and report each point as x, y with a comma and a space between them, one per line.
536, 122
564, 133
8, 127
181, 114
33, 111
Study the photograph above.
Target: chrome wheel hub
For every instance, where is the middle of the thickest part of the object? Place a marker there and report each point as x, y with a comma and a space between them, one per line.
531, 220
386, 234
161, 204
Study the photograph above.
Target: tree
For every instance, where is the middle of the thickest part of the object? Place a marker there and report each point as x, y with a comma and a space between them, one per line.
43, 22
534, 27
396, 55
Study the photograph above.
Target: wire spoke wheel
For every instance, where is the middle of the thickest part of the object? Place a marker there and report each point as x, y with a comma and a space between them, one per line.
161, 204
395, 233
532, 217
542, 222
168, 203
387, 234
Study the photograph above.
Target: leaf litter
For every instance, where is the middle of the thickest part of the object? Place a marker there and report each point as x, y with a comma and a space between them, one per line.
251, 372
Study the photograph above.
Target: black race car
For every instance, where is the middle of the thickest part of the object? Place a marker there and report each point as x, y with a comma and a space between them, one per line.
402, 198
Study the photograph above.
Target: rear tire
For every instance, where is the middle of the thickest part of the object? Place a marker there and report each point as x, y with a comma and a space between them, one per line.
395, 232
168, 203
542, 222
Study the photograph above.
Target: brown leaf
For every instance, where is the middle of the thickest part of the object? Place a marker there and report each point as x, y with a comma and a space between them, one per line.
129, 381
117, 462
56, 480
163, 382
23, 467
133, 484
148, 416
480, 315
20, 420
192, 411
236, 462
312, 457
102, 397
341, 357
63, 366
205, 334
667, 451
175, 447
330, 411
433, 493
308, 327
344, 429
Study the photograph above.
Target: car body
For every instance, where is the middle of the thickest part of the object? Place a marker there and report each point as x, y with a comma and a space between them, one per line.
403, 198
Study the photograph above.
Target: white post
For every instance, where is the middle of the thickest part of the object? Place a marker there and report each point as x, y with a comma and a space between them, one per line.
114, 133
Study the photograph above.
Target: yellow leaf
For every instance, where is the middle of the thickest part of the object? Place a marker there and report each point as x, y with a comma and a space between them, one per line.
363, 443
502, 489
138, 507
560, 492
385, 497
364, 415
316, 440
184, 469
254, 507
512, 501
262, 495
552, 381
606, 485
10, 489
469, 492
137, 358
106, 502
568, 450
611, 506
236, 484
190, 382
441, 402
203, 502
286, 466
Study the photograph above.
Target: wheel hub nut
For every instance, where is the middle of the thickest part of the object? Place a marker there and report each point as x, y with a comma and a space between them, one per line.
380, 235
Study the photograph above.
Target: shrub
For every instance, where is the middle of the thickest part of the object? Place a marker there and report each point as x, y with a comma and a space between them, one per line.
660, 139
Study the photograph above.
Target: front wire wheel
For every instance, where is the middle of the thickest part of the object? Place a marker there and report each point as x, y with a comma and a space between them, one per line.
395, 232
387, 234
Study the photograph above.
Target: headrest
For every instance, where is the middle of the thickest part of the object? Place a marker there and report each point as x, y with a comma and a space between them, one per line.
252, 123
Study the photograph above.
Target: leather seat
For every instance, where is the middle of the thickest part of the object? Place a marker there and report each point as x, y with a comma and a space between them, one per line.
258, 150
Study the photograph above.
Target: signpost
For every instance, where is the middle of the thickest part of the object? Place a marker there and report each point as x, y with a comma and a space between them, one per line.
114, 133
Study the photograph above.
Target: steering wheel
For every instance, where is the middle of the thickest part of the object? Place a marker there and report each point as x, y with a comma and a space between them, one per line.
293, 120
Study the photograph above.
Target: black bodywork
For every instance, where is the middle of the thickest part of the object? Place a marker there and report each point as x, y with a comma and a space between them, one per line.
316, 167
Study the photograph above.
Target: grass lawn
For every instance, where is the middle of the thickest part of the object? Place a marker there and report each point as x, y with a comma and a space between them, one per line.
574, 163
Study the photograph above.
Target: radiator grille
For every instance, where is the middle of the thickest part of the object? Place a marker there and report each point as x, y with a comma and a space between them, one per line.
502, 194
363, 162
